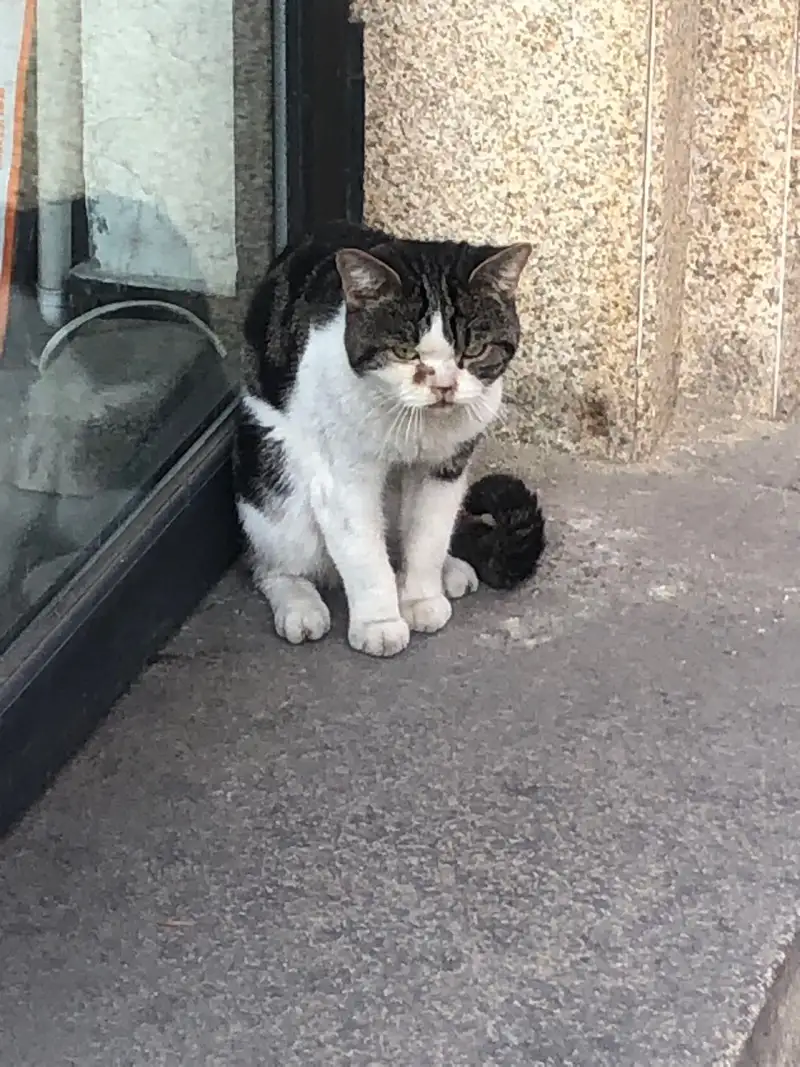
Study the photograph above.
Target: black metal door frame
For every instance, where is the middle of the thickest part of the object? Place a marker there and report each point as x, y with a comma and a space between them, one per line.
324, 114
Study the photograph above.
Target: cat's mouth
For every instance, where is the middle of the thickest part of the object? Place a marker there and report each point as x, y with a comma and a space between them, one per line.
442, 405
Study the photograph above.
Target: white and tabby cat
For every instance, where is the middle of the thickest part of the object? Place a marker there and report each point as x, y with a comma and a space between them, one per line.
377, 367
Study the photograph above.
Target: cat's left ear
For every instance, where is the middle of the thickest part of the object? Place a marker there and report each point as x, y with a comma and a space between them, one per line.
365, 279
501, 272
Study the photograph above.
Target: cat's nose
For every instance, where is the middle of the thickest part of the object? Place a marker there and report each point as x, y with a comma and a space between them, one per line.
445, 394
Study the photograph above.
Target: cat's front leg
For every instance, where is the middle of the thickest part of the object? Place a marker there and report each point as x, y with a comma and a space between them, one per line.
348, 505
430, 505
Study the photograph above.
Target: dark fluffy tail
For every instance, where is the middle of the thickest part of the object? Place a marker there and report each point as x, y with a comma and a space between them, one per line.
500, 531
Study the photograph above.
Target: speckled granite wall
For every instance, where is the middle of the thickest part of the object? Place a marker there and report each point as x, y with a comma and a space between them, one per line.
507, 121
641, 146
737, 213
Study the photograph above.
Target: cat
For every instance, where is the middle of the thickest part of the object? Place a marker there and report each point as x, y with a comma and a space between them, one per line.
377, 367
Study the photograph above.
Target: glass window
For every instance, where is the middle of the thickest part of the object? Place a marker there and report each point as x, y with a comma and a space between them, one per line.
135, 216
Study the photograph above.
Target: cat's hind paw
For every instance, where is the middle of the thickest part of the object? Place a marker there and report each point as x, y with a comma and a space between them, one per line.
458, 578
384, 637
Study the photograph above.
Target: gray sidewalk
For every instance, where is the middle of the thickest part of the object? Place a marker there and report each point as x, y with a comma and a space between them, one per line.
565, 831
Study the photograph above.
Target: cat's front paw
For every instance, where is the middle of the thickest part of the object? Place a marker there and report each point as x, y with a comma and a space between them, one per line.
428, 615
384, 637
458, 578
305, 618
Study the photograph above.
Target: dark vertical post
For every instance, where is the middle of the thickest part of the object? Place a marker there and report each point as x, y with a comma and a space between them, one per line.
325, 114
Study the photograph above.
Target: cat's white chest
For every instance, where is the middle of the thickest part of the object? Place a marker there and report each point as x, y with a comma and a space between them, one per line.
431, 437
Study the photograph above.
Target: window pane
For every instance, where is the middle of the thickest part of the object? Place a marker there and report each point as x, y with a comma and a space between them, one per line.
135, 216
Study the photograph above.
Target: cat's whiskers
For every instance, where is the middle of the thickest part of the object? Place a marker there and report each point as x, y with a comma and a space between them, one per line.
412, 418
399, 433
481, 410
403, 430
400, 410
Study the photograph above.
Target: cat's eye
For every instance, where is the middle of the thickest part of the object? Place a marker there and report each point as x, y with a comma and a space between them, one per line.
476, 352
491, 353
405, 353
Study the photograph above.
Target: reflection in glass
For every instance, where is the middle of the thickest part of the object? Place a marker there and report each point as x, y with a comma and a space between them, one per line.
134, 193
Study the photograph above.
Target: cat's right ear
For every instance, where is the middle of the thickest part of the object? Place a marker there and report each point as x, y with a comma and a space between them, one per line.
365, 279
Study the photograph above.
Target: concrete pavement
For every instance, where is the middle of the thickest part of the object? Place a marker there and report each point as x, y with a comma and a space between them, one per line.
564, 831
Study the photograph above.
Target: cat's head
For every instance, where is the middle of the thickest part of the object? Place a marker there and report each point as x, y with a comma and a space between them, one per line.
433, 324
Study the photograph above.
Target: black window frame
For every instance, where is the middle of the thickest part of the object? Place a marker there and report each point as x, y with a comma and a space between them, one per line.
62, 675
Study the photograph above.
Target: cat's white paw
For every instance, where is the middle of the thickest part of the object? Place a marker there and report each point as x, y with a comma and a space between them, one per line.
458, 578
304, 618
428, 615
385, 637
